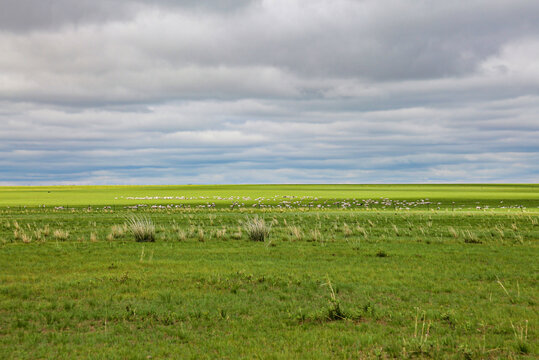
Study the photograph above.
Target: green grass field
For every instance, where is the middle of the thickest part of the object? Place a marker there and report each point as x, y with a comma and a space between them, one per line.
462, 195
348, 271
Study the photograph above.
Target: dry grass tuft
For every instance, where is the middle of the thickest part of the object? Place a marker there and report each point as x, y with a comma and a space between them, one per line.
201, 235
142, 228
346, 230
316, 235
26, 238
296, 232
453, 232
220, 234
182, 235
361, 230
238, 234
256, 229
118, 231
470, 237
61, 235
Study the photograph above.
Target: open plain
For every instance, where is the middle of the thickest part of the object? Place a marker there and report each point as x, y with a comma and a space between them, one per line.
341, 271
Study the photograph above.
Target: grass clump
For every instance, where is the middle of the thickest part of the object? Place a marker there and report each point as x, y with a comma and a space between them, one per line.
61, 235
381, 253
142, 228
181, 235
296, 232
201, 235
521, 336
316, 235
256, 229
118, 231
334, 310
26, 238
470, 237
346, 230
238, 234
419, 343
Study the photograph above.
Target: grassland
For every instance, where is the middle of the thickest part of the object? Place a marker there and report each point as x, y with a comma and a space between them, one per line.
77, 196
348, 271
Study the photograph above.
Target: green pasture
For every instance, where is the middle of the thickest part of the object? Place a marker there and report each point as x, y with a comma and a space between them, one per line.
466, 195
456, 280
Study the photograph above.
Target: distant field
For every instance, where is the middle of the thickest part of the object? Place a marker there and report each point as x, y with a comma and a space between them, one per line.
447, 195
347, 271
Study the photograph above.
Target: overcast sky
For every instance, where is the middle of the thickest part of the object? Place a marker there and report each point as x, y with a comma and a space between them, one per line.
280, 91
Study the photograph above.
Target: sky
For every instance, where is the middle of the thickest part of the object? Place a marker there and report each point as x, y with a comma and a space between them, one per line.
280, 91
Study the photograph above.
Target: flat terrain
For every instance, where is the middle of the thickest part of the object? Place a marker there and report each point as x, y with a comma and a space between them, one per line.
348, 271
462, 195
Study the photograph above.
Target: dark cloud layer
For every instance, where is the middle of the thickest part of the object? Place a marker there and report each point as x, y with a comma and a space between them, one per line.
268, 91
32, 15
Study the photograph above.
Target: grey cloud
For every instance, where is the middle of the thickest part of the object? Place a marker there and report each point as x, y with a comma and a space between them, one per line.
28, 15
268, 91
269, 48
373, 143
32, 15
364, 39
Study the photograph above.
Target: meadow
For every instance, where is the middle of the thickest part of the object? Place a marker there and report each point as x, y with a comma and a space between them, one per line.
342, 271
